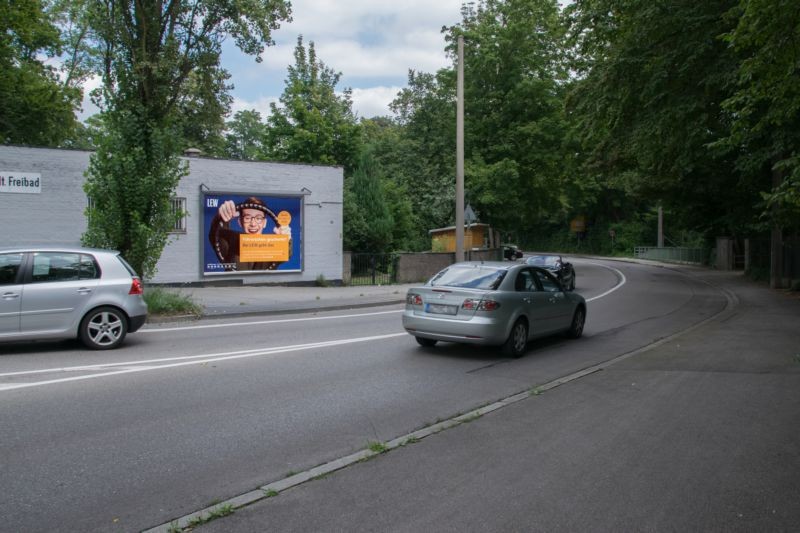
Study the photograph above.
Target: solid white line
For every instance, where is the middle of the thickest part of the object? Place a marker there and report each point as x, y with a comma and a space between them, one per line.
622, 282
278, 321
198, 359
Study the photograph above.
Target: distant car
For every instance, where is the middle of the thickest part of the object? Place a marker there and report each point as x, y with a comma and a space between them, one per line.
511, 252
564, 271
492, 303
65, 292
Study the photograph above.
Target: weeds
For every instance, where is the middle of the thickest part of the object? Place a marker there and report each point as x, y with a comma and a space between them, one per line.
271, 493
164, 302
376, 447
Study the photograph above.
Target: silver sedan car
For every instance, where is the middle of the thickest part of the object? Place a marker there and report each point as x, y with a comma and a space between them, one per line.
492, 303
67, 292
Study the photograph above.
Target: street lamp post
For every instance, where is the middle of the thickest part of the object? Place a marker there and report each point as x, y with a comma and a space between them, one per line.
460, 153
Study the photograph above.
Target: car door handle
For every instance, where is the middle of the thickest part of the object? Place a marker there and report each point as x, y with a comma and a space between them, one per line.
84, 290
526, 300
10, 295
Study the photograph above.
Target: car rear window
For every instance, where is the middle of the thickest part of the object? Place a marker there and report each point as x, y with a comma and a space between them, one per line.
469, 277
127, 266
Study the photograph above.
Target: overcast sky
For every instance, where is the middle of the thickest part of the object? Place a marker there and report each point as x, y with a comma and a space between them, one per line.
373, 43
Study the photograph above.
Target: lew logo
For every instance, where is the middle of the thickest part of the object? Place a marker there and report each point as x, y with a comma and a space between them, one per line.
212, 202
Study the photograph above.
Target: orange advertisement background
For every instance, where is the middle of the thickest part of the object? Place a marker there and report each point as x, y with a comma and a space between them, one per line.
263, 248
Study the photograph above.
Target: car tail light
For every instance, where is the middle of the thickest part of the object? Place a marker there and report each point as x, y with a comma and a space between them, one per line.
136, 287
480, 305
413, 299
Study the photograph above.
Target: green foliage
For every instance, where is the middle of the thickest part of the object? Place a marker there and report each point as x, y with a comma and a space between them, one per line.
246, 134
313, 124
765, 106
35, 106
367, 219
131, 178
647, 108
513, 71
165, 302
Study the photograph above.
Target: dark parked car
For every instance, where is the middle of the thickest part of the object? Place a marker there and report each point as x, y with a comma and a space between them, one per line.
65, 292
511, 252
564, 271
492, 303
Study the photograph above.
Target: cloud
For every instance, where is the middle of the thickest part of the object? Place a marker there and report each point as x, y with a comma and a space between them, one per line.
373, 101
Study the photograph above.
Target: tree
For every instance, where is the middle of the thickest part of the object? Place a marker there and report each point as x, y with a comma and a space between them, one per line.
35, 106
313, 124
368, 222
246, 134
765, 111
647, 109
515, 126
152, 52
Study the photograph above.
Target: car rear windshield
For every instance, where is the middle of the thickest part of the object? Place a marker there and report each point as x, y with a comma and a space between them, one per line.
127, 266
469, 277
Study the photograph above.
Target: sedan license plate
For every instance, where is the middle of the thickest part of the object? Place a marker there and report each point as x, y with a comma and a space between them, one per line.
441, 309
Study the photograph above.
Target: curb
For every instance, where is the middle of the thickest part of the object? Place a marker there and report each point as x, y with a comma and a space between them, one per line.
163, 319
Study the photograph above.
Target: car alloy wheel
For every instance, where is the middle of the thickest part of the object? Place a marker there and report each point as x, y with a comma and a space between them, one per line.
578, 319
103, 328
517, 340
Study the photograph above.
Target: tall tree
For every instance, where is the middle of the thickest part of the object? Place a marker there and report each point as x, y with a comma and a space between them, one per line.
367, 217
648, 108
313, 124
513, 71
765, 108
35, 106
246, 134
150, 51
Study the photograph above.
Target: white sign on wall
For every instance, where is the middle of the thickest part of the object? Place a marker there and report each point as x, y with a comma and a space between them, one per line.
20, 182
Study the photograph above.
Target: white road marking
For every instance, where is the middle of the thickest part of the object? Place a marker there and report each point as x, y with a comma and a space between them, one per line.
184, 361
277, 321
622, 282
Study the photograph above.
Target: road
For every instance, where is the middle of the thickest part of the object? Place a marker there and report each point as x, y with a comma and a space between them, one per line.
187, 415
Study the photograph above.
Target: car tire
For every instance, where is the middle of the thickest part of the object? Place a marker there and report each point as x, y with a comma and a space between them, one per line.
517, 340
103, 328
427, 343
572, 283
578, 320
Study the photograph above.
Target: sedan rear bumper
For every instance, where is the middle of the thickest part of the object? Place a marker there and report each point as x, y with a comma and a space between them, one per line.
477, 330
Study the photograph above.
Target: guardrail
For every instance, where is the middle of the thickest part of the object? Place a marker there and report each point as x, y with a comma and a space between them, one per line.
676, 254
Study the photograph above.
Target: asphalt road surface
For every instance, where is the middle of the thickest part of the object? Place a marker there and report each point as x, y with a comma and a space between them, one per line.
186, 415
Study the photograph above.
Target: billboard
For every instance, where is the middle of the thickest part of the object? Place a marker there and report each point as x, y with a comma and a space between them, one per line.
251, 233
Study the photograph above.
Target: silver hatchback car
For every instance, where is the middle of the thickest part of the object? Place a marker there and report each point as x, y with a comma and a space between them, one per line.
66, 292
492, 303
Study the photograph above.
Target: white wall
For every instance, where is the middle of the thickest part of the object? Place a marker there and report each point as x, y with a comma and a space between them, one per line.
56, 215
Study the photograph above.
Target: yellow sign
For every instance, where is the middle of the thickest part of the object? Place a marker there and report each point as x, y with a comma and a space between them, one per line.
284, 218
578, 224
263, 248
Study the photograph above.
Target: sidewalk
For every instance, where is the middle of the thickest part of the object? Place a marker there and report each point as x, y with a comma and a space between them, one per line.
221, 302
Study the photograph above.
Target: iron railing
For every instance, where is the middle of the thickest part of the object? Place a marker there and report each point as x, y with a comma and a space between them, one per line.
373, 269
674, 254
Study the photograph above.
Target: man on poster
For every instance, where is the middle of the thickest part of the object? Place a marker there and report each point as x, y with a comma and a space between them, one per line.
250, 250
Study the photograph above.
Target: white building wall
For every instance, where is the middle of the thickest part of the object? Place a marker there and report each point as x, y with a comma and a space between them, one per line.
56, 215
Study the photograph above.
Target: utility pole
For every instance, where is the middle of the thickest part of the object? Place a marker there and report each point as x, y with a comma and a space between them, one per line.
660, 226
460, 153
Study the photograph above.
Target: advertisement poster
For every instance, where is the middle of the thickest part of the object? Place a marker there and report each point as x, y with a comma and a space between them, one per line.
251, 233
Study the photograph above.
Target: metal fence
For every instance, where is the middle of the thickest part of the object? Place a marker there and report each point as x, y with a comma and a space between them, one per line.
674, 254
373, 269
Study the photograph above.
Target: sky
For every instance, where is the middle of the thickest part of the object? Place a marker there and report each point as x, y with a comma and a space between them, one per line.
372, 43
